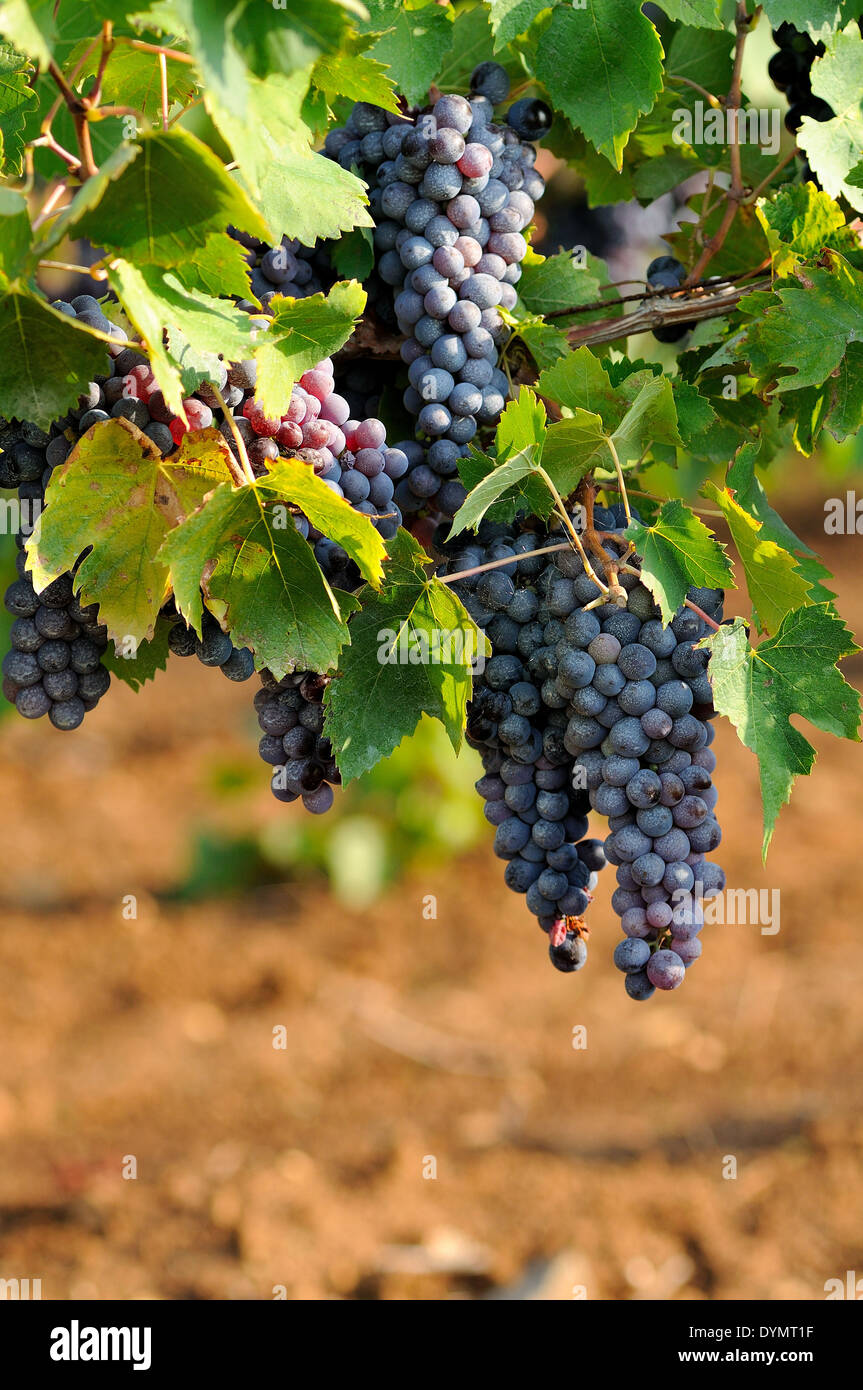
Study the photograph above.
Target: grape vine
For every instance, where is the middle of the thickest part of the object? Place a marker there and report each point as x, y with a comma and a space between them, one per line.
316, 409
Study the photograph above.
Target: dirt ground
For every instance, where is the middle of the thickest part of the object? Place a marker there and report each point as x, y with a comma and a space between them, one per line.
423, 1127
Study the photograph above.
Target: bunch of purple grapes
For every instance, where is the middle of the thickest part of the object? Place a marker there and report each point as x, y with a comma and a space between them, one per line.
291, 716
583, 706
289, 269
640, 702
54, 666
452, 193
517, 719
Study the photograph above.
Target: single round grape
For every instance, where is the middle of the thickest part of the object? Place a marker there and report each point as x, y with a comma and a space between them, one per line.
490, 80
448, 351
570, 955
439, 301
631, 954
453, 113
665, 970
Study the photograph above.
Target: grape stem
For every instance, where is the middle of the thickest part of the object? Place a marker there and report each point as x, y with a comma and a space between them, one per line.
78, 109
567, 521
50, 204
498, 564
736, 193
586, 495
696, 87
243, 474
175, 54
94, 96
640, 492
48, 142
777, 169
95, 273
681, 309
713, 284
163, 80
687, 603
621, 484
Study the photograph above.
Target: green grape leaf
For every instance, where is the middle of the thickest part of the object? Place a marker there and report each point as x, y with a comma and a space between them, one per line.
88, 196
219, 268
411, 653
580, 382
15, 233
650, 419
809, 16
695, 415
553, 283
353, 255
698, 14
295, 482
528, 455
702, 58
573, 447
470, 45
793, 673
744, 248
30, 27
301, 334
509, 18
167, 202
835, 147
137, 663
116, 497
636, 412
773, 579
613, 71
300, 193
798, 223
132, 78
413, 44
662, 173
152, 297
804, 337
355, 77
209, 29
128, 283
750, 495
521, 424
243, 547
31, 335
508, 479
301, 32
545, 343
678, 551
17, 102
194, 366
836, 406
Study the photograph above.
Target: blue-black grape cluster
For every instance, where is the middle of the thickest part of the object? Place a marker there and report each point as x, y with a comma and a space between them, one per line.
595, 708
452, 193
289, 269
517, 718
789, 70
54, 666
291, 716
213, 648
640, 735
